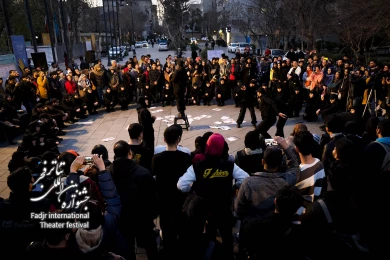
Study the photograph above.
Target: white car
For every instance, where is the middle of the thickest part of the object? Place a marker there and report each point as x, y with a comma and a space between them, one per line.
241, 46
204, 38
232, 47
278, 52
145, 44
138, 45
193, 40
162, 46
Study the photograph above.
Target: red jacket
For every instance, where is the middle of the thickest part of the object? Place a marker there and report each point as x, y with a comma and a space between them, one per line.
70, 87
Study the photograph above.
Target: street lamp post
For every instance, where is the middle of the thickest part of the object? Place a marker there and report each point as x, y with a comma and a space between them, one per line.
117, 22
65, 28
7, 23
49, 20
113, 20
132, 21
28, 11
109, 20
192, 29
105, 28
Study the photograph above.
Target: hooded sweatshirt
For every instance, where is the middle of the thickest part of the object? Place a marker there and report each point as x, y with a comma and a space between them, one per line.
212, 177
137, 190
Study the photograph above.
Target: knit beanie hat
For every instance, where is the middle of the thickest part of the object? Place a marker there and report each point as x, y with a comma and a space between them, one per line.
215, 145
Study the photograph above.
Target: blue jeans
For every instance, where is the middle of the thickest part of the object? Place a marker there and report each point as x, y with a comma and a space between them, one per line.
100, 92
29, 106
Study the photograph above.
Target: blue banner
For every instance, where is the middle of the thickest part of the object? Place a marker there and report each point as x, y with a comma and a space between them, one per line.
19, 48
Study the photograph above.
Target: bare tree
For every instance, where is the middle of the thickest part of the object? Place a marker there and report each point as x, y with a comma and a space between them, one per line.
357, 22
173, 19
260, 17
75, 9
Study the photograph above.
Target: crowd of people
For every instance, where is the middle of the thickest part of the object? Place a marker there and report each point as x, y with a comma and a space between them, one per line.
323, 192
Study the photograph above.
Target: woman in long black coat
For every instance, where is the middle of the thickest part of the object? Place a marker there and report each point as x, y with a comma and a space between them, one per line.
312, 105
146, 119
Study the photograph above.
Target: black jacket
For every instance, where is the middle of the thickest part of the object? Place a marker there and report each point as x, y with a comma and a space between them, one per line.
137, 190
146, 119
268, 107
179, 79
281, 100
327, 156
124, 96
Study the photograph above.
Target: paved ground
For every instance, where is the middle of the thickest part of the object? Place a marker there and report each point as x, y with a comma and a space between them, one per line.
83, 135
91, 131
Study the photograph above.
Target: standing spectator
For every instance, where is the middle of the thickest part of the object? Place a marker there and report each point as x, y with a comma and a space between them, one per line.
168, 166
137, 190
334, 128
256, 195
99, 80
114, 83
216, 192
312, 175
83, 64
141, 154
42, 87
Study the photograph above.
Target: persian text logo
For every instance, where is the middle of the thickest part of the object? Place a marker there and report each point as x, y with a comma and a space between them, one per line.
75, 197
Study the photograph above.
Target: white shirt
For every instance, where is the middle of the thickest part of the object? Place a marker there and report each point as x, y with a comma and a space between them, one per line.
297, 71
162, 148
185, 182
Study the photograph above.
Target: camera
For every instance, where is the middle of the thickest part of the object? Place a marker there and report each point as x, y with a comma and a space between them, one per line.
270, 142
88, 160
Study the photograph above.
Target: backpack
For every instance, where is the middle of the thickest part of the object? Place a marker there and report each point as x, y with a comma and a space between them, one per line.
386, 161
345, 244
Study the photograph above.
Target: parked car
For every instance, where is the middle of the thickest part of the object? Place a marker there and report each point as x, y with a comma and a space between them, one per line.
138, 45
162, 46
145, 44
204, 38
193, 40
277, 53
232, 47
241, 46
125, 50
221, 42
116, 52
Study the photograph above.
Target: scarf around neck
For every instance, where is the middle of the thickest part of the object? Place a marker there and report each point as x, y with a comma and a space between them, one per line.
384, 140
